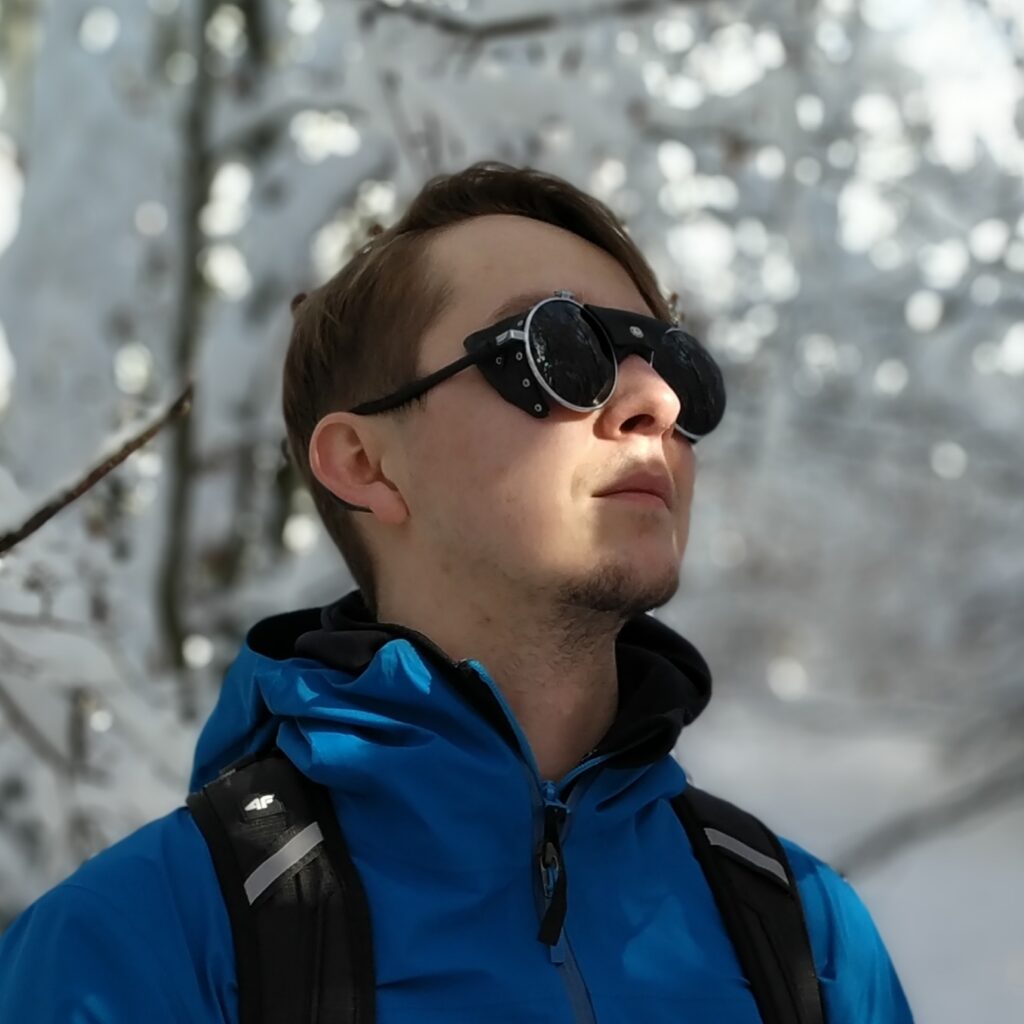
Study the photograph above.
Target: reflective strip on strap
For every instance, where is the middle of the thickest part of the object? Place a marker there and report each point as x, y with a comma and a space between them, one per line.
734, 845
278, 863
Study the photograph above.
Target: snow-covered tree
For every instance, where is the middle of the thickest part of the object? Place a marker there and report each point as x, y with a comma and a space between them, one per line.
834, 190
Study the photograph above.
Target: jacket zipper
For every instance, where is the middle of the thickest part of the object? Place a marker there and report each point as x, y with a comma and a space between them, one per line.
554, 883
550, 863
548, 858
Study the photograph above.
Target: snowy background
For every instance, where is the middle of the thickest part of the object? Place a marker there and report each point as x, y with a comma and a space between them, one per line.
834, 189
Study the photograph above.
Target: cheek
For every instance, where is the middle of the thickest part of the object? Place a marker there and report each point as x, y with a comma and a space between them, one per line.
486, 462
461, 465
534, 493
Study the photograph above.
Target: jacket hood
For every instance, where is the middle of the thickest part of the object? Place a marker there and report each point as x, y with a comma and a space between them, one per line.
337, 668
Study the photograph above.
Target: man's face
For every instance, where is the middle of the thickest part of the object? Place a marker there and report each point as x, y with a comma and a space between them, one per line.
505, 504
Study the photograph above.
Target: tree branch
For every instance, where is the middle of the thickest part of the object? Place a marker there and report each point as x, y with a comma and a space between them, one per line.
195, 172
250, 133
178, 408
26, 729
20, 722
409, 142
1003, 785
88, 630
530, 24
24, 620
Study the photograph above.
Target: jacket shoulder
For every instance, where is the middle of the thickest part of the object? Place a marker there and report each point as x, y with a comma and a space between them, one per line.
138, 932
858, 978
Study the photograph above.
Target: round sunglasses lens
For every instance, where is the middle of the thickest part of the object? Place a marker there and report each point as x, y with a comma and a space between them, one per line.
689, 369
571, 357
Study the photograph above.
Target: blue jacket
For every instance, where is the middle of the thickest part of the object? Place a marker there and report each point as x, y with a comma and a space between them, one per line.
441, 804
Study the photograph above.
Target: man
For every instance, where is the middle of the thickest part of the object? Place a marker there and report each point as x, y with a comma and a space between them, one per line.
494, 672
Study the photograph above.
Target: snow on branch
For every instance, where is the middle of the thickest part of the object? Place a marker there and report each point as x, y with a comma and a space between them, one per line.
179, 407
529, 24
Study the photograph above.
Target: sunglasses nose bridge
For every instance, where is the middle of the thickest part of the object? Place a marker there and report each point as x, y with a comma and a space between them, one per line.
634, 346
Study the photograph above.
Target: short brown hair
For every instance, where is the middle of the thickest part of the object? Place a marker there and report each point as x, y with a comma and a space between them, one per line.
356, 337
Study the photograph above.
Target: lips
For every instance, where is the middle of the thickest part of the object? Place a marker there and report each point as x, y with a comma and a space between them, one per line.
639, 497
645, 481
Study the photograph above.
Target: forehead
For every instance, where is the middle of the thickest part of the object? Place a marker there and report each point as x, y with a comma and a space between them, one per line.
498, 264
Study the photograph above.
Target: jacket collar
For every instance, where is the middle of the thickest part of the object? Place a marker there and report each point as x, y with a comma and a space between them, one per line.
664, 682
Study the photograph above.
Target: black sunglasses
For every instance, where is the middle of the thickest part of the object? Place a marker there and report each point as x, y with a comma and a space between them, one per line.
571, 353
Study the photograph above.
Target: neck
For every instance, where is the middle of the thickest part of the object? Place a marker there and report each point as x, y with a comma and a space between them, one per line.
558, 677
563, 717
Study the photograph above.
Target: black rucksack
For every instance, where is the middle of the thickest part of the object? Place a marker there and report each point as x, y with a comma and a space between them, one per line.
296, 900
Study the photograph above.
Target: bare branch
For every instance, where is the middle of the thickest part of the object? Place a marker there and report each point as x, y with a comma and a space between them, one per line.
1003, 785
26, 729
409, 141
20, 722
102, 636
257, 31
25, 620
169, 774
178, 408
260, 126
195, 170
530, 24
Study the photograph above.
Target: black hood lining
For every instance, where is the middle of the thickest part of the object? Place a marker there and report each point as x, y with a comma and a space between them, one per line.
664, 681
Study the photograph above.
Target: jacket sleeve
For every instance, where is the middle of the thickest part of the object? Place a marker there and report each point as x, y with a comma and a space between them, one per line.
138, 935
71, 957
858, 979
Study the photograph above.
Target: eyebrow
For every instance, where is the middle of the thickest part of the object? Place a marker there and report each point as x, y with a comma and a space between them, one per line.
520, 303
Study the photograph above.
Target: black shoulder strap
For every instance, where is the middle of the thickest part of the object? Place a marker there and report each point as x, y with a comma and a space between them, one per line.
292, 893
294, 896
757, 896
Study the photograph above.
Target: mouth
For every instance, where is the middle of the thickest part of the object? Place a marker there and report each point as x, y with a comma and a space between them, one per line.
639, 498
642, 485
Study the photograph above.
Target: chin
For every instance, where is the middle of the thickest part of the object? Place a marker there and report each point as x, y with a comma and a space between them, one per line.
624, 589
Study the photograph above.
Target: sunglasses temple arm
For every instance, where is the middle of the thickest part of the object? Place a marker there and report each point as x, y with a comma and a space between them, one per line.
417, 387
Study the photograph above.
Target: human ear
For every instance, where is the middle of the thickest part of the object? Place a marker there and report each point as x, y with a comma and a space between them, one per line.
345, 455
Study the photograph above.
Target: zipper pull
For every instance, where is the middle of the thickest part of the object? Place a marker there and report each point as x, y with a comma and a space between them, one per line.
552, 870
551, 799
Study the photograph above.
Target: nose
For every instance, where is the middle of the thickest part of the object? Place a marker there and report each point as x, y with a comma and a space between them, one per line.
643, 395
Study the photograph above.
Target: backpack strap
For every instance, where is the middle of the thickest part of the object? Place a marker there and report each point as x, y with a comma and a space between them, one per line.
757, 896
292, 893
